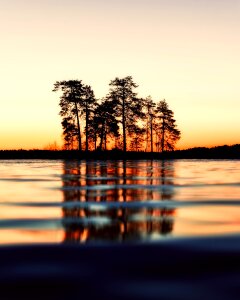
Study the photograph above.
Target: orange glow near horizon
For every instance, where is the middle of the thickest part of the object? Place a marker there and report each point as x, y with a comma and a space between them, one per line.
184, 51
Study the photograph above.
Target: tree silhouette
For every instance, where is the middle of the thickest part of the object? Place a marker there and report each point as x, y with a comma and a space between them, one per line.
128, 108
104, 123
136, 138
87, 104
141, 121
166, 127
149, 106
72, 92
93, 130
108, 121
77, 100
70, 132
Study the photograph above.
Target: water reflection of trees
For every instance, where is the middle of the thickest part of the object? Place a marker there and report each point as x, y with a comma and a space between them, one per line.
105, 182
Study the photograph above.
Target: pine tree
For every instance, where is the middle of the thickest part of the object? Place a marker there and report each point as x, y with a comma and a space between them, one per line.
149, 106
128, 108
77, 100
70, 133
105, 123
167, 129
87, 104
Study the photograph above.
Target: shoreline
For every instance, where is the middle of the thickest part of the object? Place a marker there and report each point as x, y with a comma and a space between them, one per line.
220, 152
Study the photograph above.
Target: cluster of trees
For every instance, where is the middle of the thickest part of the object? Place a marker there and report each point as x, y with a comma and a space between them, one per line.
121, 120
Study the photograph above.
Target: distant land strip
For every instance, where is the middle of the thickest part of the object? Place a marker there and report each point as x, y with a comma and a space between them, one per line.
219, 152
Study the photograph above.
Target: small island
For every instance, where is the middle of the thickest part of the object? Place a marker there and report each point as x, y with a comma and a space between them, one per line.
120, 121
121, 125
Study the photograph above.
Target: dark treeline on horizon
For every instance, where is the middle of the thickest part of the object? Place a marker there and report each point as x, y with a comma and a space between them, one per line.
121, 120
219, 152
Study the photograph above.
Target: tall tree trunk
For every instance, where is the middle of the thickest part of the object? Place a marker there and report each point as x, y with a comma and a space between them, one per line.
87, 116
151, 129
79, 130
124, 126
95, 140
102, 135
147, 131
163, 136
105, 140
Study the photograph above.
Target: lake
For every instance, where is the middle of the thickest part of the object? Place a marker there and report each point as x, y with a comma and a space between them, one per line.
53, 201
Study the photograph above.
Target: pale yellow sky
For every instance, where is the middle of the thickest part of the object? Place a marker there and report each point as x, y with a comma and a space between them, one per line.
181, 50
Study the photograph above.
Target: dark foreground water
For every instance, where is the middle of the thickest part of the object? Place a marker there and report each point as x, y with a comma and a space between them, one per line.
120, 230
117, 201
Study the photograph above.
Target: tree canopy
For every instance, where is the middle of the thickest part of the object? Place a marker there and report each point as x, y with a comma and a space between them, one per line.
77, 103
121, 120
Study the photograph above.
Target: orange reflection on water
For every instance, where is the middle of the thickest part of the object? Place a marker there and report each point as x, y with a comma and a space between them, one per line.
119, 182
208, 220
17, 236
18, 212
85, 201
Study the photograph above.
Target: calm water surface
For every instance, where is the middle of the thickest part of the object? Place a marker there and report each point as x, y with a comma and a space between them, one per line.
119, 201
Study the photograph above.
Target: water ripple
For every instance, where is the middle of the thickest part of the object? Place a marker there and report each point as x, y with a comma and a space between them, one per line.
104, 187
95, 206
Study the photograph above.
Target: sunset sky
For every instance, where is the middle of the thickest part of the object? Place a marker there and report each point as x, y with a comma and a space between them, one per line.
186, 51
